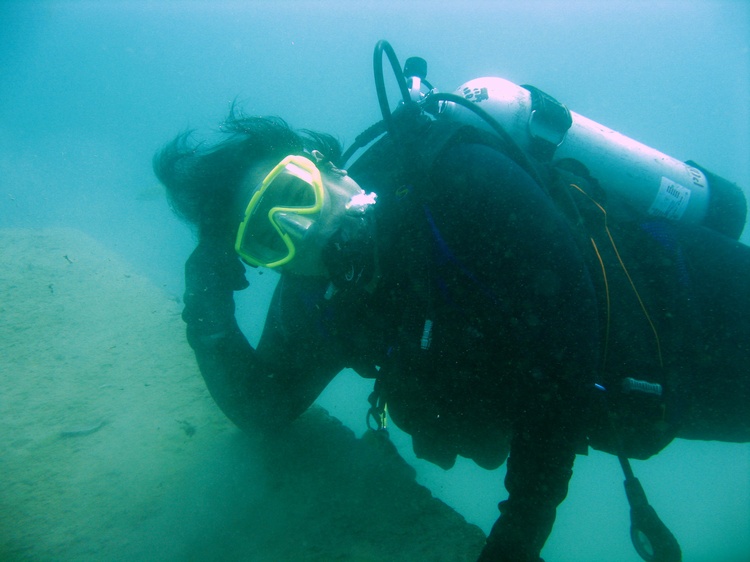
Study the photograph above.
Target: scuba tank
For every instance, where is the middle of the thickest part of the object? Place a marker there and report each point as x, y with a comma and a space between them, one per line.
646, 180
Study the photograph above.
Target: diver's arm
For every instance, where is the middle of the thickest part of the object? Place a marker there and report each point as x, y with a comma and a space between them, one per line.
540, 466
249, 392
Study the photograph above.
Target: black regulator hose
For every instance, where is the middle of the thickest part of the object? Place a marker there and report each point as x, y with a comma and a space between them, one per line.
431, 105
381, 47
386, 124
651, 538
513, 150
362, 140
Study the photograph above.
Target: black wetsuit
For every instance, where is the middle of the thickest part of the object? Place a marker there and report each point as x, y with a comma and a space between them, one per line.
487, 331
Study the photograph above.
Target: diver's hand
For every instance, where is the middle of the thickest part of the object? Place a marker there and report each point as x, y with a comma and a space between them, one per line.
512, 540
212, 272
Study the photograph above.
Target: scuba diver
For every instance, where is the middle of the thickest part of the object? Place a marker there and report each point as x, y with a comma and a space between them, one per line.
506, 304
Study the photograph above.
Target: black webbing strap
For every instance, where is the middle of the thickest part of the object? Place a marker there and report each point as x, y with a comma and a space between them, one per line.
548, 123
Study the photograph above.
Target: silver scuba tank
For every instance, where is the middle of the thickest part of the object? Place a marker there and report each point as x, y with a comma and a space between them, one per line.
647, 180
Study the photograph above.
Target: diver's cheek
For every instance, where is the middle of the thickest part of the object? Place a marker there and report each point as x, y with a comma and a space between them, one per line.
341, 188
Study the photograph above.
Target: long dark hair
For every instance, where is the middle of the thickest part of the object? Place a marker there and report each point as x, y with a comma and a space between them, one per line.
202, 180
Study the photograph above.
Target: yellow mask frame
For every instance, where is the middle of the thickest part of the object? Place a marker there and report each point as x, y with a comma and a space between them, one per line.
285, 204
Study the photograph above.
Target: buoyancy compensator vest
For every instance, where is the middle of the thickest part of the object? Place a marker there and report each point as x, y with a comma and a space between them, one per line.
427, 123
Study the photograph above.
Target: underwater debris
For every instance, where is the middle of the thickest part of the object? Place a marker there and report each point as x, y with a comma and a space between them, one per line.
187, 427
82, 431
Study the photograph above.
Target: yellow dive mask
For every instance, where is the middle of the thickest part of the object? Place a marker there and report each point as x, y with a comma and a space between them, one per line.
282, 209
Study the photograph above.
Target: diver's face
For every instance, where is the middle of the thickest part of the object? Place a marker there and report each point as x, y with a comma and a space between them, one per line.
338, 188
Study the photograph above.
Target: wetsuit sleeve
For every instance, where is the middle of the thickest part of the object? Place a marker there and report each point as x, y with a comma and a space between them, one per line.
255, 393
539, 469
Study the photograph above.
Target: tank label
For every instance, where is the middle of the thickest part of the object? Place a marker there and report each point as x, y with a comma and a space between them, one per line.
671, 200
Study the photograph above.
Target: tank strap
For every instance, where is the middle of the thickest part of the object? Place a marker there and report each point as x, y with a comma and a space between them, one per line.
548, 123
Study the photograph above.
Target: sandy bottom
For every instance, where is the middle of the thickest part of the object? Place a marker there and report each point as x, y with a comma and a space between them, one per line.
113, 450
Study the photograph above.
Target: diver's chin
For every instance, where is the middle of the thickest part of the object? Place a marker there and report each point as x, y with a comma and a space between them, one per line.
306, 266
322, 275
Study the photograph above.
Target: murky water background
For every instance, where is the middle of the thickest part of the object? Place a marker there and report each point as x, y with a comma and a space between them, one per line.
90, 91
